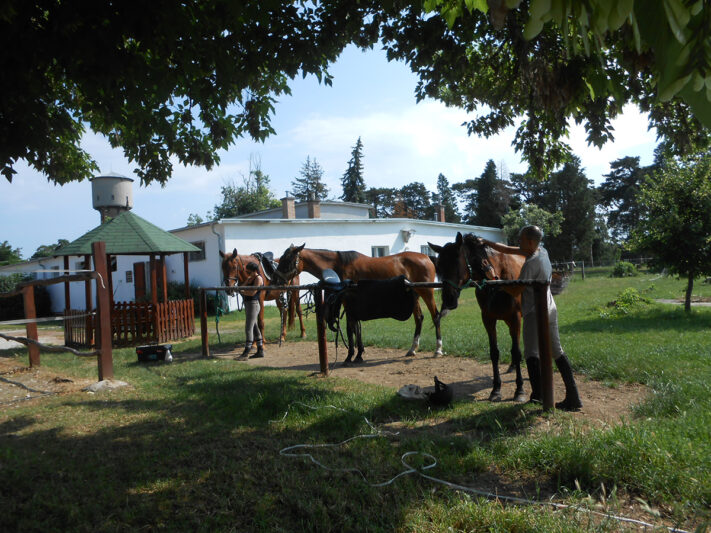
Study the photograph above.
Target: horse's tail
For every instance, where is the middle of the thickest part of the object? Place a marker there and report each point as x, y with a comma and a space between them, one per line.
293, 299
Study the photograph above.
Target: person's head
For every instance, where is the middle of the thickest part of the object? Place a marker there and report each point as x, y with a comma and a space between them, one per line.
529, 238
251, 268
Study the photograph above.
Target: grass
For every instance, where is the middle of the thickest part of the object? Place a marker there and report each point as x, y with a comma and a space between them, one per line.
195, 445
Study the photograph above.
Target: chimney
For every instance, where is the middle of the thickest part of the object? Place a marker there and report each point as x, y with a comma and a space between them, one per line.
314, 206
439, 215
288, 208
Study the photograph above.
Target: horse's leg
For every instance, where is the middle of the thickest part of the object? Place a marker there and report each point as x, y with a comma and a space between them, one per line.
350, 331
260, 318
359, 339
514, 324
429, 299
301, 316
419, 318
490, 326
280, 306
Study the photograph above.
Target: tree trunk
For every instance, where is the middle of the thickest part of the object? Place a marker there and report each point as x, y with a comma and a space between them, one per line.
689, 288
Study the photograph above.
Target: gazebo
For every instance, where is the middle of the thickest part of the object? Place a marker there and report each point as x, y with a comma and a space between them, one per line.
145, 320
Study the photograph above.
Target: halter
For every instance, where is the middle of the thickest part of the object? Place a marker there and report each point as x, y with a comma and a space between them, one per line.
240, 268
286, 277
471, 282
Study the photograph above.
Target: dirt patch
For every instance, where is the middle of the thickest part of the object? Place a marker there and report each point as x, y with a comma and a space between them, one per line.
602, 404
19, 382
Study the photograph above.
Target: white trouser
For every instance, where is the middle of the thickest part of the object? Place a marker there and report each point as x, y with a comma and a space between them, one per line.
530, 335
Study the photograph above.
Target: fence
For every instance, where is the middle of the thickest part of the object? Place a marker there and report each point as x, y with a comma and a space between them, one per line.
542, 322
175, 319
104, 352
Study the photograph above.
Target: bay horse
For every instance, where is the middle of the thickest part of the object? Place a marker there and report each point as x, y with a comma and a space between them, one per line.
356, 266
234, 273
468, 260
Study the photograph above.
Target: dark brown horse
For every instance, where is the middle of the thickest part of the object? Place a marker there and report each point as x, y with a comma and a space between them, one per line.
469, 259
234, 273
356, 266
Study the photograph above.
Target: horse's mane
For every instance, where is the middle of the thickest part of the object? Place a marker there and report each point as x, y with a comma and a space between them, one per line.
346, 258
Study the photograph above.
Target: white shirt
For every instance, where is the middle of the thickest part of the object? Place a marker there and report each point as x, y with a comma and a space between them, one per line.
537, 267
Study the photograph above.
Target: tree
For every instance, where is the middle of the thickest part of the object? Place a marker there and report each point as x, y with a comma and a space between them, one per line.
445, 197
186, 79
413, 201
569, 192
529, 214
47, 250
352, 181
541, 64
486, 198
194, 219
8, 254
253, 195
383, 200
310, 183
618, 193
675, 221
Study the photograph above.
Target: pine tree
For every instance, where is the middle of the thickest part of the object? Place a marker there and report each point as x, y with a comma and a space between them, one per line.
445, 197
310, 183
352, 181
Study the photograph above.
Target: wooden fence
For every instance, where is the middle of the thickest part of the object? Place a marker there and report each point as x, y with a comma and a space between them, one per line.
77, 328
175, 320
131, 323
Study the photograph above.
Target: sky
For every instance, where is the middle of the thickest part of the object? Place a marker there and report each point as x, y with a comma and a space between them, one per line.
371, 98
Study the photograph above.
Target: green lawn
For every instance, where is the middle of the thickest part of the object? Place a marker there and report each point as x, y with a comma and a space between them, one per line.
194, 446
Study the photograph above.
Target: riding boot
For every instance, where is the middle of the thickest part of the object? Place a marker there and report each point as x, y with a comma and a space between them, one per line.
572, 399
534, 376
259, 353
244, 353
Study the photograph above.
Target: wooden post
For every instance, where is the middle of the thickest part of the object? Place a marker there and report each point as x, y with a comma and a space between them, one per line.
321, 332
67, 292
89, 304
186, 275
582, 270
203, 323
540, 291
164, 278
28, 296
154, 298
103, 312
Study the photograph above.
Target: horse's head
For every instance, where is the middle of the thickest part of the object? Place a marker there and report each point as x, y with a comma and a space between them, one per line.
289, 263
459, 262
232, 267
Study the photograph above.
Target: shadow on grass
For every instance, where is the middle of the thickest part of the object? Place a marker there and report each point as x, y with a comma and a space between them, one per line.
201, 452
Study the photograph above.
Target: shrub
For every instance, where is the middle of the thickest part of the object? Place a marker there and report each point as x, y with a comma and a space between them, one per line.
627, 301
13, 308
624, 269
176, 291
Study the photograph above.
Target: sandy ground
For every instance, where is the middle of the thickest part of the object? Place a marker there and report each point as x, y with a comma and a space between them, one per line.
470, 379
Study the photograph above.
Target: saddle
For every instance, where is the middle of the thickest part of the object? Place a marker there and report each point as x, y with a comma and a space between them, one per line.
269, 266
369, 299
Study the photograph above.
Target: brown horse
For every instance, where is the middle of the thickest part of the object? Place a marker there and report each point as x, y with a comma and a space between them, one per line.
234, 273
356, 266
469, 259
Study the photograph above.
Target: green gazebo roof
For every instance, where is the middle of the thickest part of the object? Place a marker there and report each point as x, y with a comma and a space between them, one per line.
128, 234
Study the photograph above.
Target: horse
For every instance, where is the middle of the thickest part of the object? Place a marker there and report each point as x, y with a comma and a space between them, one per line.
355, 266
234, 273
468, 260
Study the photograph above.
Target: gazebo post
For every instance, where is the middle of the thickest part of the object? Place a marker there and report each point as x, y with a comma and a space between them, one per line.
164, 278
89, 303
67, 292
110, 280
154, 298
187, 276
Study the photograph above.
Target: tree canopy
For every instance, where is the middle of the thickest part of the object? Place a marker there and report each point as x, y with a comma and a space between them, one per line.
47, 250
253, 195
8, 254
184, 80
309, 184
352, 181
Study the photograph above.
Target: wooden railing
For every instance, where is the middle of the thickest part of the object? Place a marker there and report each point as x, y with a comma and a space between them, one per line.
132, 323
78, 327
175, 320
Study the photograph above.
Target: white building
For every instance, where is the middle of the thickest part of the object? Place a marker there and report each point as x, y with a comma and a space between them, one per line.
328, 225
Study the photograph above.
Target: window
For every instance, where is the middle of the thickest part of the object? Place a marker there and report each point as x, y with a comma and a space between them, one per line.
129, 276
79, 265
380, 251
197, 256
425, 249
55, 274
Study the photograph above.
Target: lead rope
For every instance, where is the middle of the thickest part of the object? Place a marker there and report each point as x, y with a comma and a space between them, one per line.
409, 469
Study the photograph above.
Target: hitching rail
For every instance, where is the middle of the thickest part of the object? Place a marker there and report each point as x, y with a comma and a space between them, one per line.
542, 322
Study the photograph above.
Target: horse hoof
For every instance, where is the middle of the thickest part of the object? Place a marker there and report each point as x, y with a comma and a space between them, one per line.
520, 398
410, 354
495, 397
303, 335
346, 363
358, 361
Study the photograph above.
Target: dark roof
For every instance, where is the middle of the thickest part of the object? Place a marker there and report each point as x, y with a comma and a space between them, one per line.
128, 234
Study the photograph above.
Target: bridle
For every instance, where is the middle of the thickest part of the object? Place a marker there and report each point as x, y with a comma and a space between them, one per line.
487, 270
240, 268
286, 277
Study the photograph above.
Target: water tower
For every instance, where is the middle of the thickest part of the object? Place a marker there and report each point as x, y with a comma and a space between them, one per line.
111, 194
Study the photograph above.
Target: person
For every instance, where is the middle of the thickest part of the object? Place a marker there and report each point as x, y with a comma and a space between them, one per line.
538, 267
252, 306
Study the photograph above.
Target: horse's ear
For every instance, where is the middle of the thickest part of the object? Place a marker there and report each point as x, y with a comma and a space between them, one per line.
222, 254
234, 253
299, 248
435, 247
460, 239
